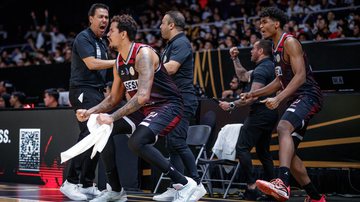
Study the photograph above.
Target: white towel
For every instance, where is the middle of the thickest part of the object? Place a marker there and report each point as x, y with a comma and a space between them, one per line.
98, 137
225, 145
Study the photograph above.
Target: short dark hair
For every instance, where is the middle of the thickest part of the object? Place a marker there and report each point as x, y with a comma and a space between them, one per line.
275, 14
20, 96
95, 6
53, 92
126, 23
266, 45
177, 18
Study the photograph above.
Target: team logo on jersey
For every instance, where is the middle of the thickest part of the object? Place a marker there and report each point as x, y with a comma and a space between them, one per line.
278, 71
131, 85
122, 72
132, 71
277, 57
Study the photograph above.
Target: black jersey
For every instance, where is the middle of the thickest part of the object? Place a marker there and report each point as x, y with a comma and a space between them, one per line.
284, 71
163, 90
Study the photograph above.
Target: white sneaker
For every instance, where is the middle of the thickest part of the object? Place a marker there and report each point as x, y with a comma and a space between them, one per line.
184, 192
90, 192
72, 191
109, 195
199, 192
168, 195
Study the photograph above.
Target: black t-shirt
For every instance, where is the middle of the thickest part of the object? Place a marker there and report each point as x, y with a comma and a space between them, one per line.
263, 73
179, 49
86, 44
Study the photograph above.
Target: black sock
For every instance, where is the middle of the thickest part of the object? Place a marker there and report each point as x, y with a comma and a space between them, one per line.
284, 175
176, 176
312, 191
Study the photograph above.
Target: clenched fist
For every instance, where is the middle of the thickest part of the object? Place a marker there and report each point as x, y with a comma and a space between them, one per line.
82, 115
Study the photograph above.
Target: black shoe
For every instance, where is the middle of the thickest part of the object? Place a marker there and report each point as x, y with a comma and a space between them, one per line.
266, 198
252, 194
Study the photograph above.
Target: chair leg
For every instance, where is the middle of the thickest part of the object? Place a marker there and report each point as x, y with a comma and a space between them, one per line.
221, 172
158, 183
231, 180
205, 178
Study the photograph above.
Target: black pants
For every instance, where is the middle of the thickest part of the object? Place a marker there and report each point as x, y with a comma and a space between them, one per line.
82, 168
180, 154
121, 127
256, 131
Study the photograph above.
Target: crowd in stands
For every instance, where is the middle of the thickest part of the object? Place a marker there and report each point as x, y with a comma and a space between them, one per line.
213, 24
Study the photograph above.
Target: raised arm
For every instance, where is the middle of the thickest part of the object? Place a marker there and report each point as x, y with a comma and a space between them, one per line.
145, 66
240, 71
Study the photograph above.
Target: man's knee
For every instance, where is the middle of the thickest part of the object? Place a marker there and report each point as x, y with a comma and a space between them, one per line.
284, 127
141, 136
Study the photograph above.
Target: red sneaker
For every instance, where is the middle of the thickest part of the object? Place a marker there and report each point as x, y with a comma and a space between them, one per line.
322, 199
275, 188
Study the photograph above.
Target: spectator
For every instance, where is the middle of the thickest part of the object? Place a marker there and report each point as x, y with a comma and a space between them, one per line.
234, 91
5, 100
51, 98
17, 99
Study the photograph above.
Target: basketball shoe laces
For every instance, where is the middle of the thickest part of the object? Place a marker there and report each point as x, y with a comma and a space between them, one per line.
279, 185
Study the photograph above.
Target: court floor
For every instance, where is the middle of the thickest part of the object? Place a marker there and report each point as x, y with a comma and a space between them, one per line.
31, 193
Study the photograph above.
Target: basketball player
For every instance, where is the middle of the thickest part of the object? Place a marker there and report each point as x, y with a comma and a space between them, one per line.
152, 91
298, 87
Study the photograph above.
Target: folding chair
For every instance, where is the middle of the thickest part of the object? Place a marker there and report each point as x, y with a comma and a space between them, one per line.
197, 137
212, 162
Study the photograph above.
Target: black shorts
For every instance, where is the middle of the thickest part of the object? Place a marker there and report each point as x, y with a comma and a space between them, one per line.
161, 120
299, 114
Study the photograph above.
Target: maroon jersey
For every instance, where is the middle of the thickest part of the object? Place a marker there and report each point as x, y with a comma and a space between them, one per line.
284, 72
163, 90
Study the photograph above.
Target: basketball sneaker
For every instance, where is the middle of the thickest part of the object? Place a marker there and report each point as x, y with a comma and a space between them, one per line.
275, 188
168, 195
199, 192
322, 199
72, 191
109, 195
184, 192
90, 192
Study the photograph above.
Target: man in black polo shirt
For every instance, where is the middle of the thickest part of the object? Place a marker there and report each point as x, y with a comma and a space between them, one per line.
178, 61
258, 126
89, 62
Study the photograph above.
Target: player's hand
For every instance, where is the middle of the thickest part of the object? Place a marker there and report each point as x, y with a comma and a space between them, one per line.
271, 103
82, 115
224, 105
104, 119
247, 96
234, 52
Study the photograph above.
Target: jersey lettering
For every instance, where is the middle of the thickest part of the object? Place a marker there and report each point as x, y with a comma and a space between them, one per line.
131, 85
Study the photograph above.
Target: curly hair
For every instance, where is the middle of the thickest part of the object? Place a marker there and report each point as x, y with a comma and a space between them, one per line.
275, 14
126, 23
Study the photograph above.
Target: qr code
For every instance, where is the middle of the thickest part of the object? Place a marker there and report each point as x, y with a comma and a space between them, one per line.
29, 150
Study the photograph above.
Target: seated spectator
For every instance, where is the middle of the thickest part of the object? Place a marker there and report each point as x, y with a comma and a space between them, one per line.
51, 98
5, 100
17, 99
235, 89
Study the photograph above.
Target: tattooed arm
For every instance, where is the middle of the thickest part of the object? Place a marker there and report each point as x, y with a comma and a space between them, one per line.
115, 97
146, 62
